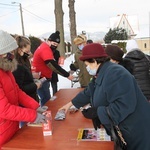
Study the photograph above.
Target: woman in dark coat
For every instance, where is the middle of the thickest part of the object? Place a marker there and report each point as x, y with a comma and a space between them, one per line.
22, 74
115, 88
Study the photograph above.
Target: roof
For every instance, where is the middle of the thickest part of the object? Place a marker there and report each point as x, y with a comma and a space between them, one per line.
131, 21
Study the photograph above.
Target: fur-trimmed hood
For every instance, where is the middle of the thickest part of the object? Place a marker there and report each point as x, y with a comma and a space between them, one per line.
7, 65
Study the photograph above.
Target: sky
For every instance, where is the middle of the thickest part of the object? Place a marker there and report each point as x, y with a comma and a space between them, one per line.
91, 15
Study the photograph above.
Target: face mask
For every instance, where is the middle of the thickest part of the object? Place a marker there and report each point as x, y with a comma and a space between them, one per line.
25, 55
9, 56
81, 47
91, 71
53, 47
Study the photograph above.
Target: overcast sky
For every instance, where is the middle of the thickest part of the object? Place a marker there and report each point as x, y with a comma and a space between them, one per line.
91, 15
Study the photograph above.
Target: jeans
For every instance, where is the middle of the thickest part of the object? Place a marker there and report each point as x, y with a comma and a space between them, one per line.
21, 124
44, 92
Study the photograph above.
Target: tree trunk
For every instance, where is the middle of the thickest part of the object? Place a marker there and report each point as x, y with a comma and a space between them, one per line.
72, 18
59, 25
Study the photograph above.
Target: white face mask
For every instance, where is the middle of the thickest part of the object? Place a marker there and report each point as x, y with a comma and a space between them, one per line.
91, 71
81, 47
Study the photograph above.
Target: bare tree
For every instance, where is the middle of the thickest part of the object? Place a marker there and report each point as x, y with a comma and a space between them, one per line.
59, 25
72, 18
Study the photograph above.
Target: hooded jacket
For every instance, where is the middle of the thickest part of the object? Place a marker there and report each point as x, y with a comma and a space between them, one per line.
140, 68
11, 98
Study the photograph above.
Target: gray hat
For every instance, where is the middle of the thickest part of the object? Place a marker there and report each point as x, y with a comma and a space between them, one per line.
7, 42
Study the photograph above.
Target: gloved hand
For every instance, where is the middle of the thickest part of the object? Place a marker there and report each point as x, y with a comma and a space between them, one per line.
40, 118
96, 123
42, 109
90, 113
72, 67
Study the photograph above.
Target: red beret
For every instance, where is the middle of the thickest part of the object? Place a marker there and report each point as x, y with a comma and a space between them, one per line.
93, 50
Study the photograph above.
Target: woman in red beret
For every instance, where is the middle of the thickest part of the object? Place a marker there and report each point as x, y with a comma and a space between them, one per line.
114, 88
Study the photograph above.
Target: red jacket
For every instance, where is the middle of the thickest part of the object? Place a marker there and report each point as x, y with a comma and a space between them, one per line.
42, 54
10, 111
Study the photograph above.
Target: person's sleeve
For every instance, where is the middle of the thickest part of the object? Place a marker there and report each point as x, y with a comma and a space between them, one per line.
18, 113
52, 64
76, 62
129, 65
120, 89
26, 101
19, 75
84, 97
58, 56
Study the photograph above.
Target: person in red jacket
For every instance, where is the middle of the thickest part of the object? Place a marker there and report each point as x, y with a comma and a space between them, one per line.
15, 105
45, 63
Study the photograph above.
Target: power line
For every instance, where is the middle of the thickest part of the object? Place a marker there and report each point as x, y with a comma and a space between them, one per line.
26, 11
33, 4
7, 8
6, 4
37, 16
8, 13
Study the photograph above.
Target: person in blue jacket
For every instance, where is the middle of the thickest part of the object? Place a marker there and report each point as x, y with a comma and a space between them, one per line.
113, 87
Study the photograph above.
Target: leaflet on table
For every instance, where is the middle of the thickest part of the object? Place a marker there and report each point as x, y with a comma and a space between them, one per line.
90, 134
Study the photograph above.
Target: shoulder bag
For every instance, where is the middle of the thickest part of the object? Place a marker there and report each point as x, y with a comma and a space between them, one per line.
119, 141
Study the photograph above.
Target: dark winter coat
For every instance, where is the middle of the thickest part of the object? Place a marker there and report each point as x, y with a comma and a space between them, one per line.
84, 77
24, 79
117, 89
128, 64
140, 70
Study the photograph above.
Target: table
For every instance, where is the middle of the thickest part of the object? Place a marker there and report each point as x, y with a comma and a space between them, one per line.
65, 132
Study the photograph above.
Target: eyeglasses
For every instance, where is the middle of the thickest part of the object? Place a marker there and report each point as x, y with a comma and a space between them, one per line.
9, 56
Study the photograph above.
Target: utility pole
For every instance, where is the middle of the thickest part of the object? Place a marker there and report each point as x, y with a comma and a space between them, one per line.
21, 19
22, 23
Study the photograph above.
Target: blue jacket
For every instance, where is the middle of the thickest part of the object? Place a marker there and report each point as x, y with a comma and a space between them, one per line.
116, 88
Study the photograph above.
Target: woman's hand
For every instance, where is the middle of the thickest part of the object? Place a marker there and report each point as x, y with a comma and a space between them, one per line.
38, 84
66, 107
71, 77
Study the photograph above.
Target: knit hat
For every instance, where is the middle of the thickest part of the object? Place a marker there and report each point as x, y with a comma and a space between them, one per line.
55, 37
80, 39
114, 52
130, 45
93, 50
7, 42
89, 41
